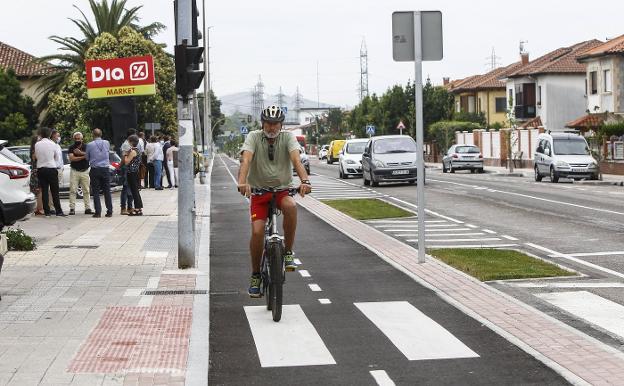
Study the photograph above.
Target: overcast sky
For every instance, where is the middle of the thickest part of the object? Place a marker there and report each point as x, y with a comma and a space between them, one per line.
283, 40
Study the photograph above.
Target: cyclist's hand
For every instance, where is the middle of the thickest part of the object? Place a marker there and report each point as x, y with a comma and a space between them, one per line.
244, 189
305, 188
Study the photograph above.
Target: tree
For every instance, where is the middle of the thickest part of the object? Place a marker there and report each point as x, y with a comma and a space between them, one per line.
334, 120
17, 113
109, 18
216, 116
70, 109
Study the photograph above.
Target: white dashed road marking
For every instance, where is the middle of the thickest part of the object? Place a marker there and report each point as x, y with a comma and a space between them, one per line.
382, 378
324, 301
304, 273
315, 287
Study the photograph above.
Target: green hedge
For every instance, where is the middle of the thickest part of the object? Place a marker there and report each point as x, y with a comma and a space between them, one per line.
443, 132
609, 129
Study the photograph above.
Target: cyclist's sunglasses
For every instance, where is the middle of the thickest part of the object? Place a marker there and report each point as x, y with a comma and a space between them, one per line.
271, 151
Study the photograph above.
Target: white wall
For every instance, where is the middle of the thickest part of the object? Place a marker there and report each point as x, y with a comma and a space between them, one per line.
563, 99
486, 147
605, 101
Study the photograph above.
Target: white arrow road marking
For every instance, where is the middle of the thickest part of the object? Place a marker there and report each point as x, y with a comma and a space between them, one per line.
416, 335
592, 308
274, 341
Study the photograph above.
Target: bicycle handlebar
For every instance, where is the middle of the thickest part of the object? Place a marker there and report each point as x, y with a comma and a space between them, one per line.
260, 191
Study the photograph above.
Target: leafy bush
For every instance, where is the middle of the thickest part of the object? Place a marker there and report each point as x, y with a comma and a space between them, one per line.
470, 117
17, 240
612, 129
443, 132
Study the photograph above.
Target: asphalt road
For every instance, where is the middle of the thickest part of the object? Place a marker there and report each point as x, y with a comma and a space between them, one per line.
575, 225
351, 318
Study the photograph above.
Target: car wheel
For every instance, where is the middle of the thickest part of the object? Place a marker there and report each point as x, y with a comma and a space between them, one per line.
340, 173
444, 170
451, 170
481, 171
472, 171
554, 178
329, 161
595, 177
373, 182
538, 176
366, 182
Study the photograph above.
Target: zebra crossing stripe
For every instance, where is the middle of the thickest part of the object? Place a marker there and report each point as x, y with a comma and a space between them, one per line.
416, 335
274, 342
382, 378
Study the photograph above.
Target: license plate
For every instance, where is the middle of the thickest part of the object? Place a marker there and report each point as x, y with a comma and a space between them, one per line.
578, 170
397, 172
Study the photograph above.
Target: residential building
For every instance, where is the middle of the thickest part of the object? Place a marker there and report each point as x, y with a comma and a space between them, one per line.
25, 67
551, 87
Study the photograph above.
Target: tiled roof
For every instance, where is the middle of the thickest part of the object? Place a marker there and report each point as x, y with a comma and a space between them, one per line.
533, 123
612, 47
589, 121
21, 62
560, 61
488, 81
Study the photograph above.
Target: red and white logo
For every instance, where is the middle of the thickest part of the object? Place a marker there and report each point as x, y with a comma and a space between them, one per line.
139, 71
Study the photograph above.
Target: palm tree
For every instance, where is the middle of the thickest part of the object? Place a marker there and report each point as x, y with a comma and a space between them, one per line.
109, 18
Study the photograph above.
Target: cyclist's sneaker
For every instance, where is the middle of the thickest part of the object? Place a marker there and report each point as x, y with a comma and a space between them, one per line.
254, 286
289, 261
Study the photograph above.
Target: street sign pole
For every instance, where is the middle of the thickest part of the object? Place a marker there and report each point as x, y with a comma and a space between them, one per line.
186, 190
420, 162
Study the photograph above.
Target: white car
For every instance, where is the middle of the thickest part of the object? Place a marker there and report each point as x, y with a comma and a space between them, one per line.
562, 155
16, 200
323, 152
350, 158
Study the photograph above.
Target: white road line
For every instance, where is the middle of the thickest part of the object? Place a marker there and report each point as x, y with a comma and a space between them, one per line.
304, 273
429, 341
540, 199
382, 378
583, 262
482, 246
567, 285
324, 301
431, 230
471, 226
297, 261
489, 231
275, 351
464, 240
593, 254
455, 234
315, 287
592, 308
428, 211
509, 238
394, 222
230, 173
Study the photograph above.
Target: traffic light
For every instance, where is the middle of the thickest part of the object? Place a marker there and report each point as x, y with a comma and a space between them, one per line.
197, 35
188, 77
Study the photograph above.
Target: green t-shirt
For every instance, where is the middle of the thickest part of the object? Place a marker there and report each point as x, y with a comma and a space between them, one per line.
264, 173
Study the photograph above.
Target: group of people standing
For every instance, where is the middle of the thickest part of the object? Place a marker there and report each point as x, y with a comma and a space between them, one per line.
90, 169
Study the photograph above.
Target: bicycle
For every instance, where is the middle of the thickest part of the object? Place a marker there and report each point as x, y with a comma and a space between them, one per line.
273, 271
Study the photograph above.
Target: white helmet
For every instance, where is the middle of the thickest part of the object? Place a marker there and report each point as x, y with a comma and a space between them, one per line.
272, 113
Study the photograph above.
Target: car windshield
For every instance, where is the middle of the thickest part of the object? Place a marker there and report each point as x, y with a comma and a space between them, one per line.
113, 157
571, 147
356, 147
466, 149
12, 156
394, 145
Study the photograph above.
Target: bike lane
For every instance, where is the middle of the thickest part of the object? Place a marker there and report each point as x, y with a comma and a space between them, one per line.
368, 324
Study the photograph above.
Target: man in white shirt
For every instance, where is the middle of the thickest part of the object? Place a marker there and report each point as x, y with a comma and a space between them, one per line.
154, 161
47, 171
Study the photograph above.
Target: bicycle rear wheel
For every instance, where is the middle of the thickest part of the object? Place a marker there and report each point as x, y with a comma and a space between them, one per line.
276, 259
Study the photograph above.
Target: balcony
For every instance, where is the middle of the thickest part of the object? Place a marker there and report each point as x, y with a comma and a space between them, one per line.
525, 112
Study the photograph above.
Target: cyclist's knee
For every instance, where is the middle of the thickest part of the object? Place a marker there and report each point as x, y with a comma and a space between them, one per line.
288, 204
257, 228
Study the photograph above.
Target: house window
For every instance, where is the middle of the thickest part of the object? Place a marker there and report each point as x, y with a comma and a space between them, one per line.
539, 95
457, 107
471, 104
606, 81
593, 82
501, 105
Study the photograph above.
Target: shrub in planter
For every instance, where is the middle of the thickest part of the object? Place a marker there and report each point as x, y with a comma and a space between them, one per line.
17, 240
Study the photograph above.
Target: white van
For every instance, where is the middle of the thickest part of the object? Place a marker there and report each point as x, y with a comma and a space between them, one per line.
563, 155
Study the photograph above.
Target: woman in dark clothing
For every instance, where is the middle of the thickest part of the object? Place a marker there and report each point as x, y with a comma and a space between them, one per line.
133, 160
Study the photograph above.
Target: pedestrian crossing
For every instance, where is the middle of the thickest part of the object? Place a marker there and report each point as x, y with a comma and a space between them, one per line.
325, 188
443, 233
294, 341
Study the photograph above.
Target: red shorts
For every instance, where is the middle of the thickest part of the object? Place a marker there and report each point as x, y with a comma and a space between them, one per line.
259, 206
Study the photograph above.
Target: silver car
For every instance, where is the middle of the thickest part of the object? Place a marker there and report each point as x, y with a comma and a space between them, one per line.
463, 157
389, 158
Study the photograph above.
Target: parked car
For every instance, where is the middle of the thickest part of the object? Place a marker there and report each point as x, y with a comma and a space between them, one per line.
115, 172
304, 160
16, 200
334, 149
323, 152
463, 157
350, 158
389, 158
563, 155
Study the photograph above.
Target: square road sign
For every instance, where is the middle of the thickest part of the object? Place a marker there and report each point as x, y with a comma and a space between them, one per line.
430, 34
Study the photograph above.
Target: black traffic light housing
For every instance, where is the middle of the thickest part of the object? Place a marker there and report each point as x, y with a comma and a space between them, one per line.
188, 75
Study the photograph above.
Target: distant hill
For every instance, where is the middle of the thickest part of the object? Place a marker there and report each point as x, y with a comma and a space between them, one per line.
241, 102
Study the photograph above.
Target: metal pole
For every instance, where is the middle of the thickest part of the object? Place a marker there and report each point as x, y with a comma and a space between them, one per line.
207, 96
420, 162
186, 190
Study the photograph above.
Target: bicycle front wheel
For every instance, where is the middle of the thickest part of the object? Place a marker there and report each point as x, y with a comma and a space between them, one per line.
276, 259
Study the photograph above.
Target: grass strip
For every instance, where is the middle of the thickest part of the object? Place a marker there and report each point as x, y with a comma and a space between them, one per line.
498, 264
368, 208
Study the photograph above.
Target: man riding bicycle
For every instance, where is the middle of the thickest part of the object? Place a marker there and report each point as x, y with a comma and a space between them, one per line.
267, 158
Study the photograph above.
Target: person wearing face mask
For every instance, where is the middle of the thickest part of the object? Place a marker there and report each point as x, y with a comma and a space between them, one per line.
267, 159
79, 174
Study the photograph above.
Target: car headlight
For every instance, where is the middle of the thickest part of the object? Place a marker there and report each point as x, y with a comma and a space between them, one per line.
379, 164
562, 164
592, 165
350, 161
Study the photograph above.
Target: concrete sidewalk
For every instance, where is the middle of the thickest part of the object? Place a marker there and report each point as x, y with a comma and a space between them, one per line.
75, 310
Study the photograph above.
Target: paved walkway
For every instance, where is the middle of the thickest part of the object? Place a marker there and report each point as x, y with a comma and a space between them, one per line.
74, 311
576, 356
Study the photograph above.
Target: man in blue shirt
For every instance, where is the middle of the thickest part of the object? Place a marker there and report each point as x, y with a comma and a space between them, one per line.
99, 161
